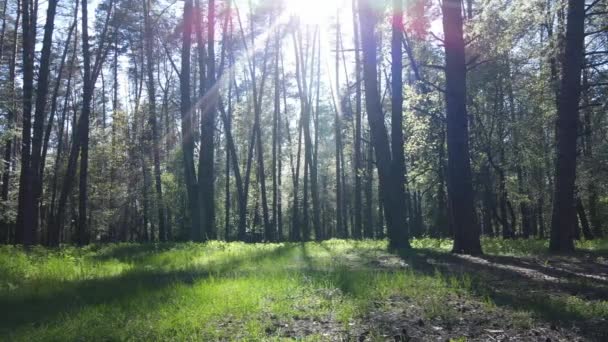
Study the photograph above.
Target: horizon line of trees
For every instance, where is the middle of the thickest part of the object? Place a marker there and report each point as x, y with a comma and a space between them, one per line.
224, 120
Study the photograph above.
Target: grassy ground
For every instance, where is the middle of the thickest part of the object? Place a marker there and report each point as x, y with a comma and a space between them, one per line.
334, 290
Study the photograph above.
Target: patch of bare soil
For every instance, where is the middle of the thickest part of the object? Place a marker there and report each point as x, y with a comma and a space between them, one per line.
405, 320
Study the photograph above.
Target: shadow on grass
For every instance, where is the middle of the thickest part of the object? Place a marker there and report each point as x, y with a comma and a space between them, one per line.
517, 284
131, 251
66, 298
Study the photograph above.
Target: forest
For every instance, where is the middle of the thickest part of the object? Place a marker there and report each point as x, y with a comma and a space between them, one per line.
323, 170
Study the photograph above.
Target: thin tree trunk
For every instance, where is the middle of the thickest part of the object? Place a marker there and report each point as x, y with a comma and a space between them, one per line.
580, 209
358, 232
26, 225
149, 39
8, 160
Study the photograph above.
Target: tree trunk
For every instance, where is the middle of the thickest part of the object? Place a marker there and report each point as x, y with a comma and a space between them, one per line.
580, 209
460, 187
26, 220
8, 159
390, 191
397, 148
208, 115
564, 214
149, 39
358, 231
187, 132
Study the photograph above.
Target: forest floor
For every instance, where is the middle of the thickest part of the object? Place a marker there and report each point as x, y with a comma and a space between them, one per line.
335, 290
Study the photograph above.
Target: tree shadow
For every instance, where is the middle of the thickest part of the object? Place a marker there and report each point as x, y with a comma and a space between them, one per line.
131, 251
66, 298
519, 284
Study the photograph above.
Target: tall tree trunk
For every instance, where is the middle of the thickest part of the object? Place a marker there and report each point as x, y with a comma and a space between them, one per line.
340, 230
358, 232
208, 115
55, 97
460, 187
564, 212
398, 153
26, 226
276, 172
8, 152
87, 97
149, 39
53, 231
390, 191
268, 232
187, 132
36, 172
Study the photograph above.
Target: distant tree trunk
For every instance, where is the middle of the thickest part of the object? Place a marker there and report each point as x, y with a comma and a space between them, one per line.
8, 152
541, 217
338, 137
148, 235
268, 232
148, 40
228, 130
39, 115
397, 148
564, 214
311, 155
26, 226
520, 167
87, 97
442, 222
187, 132
3, 29
295, 229
55, 97
488, 199
358, 231
392, 196
368, 217
208, 115
460, 187
53, 231
580, 209
588, 140
275, 137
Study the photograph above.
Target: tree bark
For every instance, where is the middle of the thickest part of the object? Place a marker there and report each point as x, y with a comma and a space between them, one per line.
391, 195
397, 148
564, 213
148, 40
358, 231
460, 187
187, 132
26, 227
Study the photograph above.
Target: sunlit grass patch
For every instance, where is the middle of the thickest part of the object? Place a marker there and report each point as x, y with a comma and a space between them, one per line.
219, 290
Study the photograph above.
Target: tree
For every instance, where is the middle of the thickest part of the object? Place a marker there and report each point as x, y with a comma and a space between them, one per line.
392, 196
148, 40
460, 187
26, 229
564, 211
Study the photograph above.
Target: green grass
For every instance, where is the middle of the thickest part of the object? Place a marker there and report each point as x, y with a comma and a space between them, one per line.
216, 290
512, 247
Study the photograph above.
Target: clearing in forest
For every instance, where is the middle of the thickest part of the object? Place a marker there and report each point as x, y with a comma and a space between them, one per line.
328, 291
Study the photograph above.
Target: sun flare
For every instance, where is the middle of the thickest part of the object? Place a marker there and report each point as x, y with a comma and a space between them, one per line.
315, 11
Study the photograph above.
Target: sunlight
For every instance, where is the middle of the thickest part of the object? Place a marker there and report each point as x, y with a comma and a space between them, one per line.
313, 12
